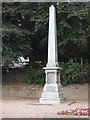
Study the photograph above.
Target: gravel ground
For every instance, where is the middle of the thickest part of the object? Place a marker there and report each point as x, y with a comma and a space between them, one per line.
30, 108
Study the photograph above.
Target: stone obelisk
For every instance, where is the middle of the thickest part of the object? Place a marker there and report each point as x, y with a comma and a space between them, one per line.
52, 92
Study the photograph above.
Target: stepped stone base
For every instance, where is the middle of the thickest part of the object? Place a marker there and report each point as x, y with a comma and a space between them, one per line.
50, 101
52, 94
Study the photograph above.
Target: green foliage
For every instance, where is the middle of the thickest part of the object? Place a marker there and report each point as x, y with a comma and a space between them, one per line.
15, 44
22, 30
72, 22
35, 76
25, 30
73, 73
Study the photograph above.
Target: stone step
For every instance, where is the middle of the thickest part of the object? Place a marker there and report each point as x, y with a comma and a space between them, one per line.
52, 95
51, 101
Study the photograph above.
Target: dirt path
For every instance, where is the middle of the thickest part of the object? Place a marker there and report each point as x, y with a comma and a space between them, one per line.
30, 108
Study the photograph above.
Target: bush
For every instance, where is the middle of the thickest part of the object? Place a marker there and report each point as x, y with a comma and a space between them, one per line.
73, 73
35, 76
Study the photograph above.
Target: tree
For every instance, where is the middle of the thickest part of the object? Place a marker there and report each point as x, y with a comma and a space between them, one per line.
25, 30
72, 30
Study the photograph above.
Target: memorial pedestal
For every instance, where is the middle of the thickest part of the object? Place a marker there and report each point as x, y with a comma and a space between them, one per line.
52, 92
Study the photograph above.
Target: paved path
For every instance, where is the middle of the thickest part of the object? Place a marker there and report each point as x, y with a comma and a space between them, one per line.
30, 108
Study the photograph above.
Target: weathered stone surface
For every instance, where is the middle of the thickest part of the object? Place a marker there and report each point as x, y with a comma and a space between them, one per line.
52, 92
51, 100
52, 39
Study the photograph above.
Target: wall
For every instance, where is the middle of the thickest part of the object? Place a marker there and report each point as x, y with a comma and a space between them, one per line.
74, 91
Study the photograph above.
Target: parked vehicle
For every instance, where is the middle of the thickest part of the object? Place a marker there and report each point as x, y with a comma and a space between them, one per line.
19, 63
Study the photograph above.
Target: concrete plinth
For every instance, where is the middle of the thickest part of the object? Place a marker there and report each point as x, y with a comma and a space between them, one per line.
51, 97
52, 91
50, 101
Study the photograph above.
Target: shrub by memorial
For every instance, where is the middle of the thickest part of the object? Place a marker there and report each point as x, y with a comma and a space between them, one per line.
73, 72
35, 76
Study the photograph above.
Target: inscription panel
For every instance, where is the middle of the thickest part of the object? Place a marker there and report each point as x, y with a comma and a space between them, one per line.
51, 78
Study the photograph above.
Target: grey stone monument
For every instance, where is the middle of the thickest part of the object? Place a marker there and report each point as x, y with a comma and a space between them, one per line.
52, 92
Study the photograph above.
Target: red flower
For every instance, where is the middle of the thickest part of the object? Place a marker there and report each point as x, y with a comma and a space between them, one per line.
76, 111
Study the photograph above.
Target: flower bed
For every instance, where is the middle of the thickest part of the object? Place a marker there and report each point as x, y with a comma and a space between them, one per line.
77, 111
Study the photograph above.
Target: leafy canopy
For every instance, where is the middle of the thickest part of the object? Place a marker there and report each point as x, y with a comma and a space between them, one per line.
25, 30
